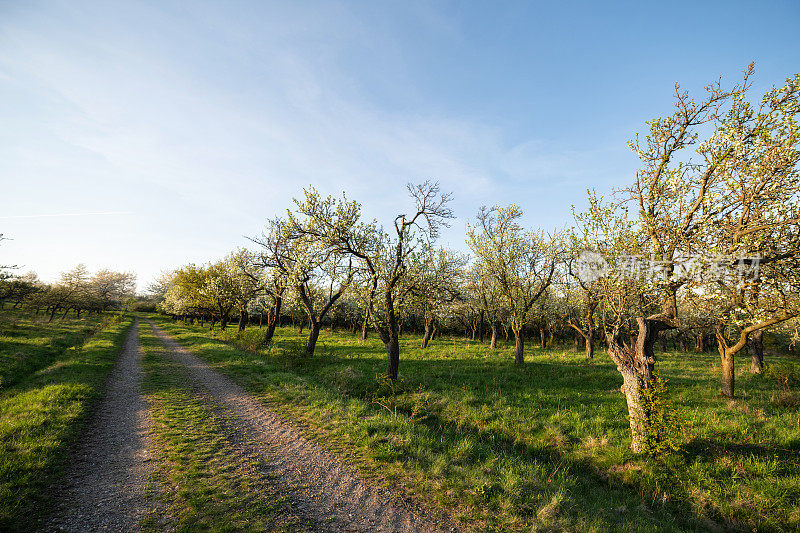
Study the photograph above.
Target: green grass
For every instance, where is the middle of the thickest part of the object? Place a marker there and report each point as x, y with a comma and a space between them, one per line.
544, 446
41, 412
28, 343
205, 481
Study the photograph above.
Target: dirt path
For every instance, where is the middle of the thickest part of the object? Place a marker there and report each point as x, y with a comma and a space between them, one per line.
323, 489
105, 486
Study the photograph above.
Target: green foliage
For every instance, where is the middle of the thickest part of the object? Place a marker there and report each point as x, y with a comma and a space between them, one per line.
664, 429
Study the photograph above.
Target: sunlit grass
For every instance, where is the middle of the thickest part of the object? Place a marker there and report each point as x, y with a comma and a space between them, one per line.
28, 342
545, 445
41, 412
203, 480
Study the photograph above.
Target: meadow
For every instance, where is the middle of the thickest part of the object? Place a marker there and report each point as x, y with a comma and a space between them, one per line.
52, 375
508, 448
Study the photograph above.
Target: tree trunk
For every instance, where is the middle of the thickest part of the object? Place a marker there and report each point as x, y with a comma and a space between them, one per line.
365, 328
429, 326
313, 335
493, 343
576, 342
757, 352
542, 338
632, 385
481, 329
519, 346
589, 340
392, 357
636, 364
52, 314
728, 375
243, 318
272, 320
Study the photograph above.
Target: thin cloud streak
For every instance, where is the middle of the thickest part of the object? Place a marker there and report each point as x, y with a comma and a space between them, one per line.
49, 215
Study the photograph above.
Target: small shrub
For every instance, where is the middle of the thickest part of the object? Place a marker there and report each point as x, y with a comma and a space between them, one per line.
663, 426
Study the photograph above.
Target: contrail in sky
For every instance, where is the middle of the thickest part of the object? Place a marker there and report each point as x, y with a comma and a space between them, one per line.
70, 215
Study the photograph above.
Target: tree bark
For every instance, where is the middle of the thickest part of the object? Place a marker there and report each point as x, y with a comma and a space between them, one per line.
542, 337
392, 357
519, 346
636, 364
429, 327
243, 319
589, 340
727, 359
365, 328
493, 343
313, 335
272, 320
757, 352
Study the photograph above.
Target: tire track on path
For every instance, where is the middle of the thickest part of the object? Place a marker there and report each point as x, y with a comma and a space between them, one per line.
105, 487
324, 489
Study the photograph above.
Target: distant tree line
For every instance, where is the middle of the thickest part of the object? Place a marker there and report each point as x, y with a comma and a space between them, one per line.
77, 291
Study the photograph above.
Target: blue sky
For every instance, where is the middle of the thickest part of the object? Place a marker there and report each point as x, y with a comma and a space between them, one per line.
141, 136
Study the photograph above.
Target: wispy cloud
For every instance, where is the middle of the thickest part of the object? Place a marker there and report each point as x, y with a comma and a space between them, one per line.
53, 215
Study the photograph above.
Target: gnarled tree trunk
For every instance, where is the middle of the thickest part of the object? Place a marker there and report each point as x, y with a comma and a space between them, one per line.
636, 363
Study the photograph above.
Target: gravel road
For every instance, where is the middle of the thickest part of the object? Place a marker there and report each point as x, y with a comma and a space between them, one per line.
105, 484
322, 488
